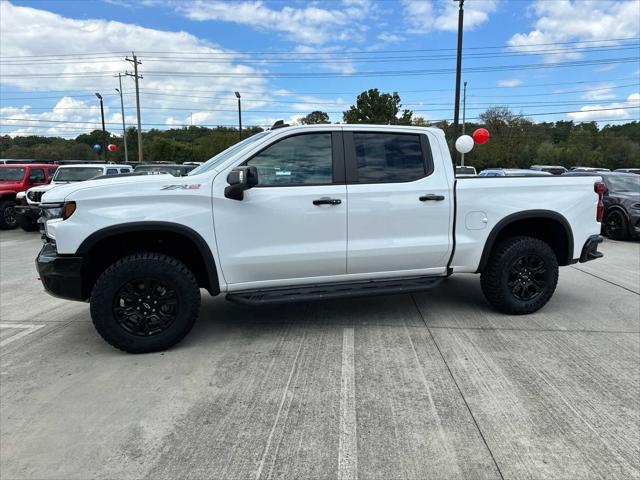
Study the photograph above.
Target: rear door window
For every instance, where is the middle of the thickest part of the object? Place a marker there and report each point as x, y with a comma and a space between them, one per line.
36, 175
388, 157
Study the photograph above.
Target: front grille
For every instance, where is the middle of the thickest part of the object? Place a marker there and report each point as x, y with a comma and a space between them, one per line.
35, 196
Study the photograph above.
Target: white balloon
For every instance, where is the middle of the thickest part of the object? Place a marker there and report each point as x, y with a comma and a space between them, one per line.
464, 144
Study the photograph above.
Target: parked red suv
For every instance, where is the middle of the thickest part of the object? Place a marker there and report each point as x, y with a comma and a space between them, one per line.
16, 178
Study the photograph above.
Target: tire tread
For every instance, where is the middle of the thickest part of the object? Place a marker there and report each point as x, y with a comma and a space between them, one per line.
491, 278
99, 292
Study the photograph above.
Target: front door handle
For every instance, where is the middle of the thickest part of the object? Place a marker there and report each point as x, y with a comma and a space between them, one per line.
431, 197
327, 201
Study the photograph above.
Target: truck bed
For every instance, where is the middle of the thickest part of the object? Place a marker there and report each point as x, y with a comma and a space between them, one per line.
482, 202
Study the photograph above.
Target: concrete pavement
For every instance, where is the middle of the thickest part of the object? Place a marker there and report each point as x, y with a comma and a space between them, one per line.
433, 385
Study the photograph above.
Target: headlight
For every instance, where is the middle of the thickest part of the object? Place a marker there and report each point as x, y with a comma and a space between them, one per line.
20, 195
636, 206
58, 210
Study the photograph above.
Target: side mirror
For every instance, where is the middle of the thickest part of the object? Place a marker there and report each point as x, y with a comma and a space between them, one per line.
239, 180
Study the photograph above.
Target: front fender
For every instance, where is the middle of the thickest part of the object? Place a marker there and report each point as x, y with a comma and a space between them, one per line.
7, 194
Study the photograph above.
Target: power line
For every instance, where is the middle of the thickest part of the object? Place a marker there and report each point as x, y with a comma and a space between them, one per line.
474, 106
274, 90
333, 58
374, 52
471, 118
380, 73
369, 52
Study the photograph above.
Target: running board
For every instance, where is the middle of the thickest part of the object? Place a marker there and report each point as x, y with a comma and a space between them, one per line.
307, 293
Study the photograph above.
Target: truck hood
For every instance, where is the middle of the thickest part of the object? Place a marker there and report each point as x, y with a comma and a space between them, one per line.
44, 188
62, 191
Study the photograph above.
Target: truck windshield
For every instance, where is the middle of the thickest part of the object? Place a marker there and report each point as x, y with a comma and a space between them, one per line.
228, 153
623, 183
11, 174
76, 174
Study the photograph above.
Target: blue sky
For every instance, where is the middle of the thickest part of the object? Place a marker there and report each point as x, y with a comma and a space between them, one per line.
549, 59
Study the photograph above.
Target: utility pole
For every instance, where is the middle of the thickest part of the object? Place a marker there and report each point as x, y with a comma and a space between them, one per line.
104, 131
136, 77
464, 114
239, 115
456, 110
124, 129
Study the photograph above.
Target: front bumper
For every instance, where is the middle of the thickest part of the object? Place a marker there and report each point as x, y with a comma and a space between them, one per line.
590, 249
61, 275
29, 211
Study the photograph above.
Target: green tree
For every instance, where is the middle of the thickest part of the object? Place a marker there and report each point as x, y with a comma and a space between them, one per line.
377, 108
315, 117
420, 122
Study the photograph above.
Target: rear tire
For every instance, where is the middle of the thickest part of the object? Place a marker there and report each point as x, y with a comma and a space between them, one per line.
521, 275
8, 215
145, 302
616, 226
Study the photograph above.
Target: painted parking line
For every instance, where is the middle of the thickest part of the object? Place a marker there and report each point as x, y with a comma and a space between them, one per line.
26, 330
347, 453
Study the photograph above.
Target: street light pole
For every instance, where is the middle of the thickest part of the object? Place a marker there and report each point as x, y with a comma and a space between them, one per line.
239, 115
104, 131
124, 129
456, 110
464, 112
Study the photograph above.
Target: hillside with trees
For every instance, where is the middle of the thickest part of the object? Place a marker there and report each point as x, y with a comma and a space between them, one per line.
516, 141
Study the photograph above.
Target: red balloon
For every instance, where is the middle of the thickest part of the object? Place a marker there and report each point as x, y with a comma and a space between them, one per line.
480, 136
111, 147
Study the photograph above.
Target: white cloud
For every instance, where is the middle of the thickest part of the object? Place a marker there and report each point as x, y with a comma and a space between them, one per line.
616, 110
28, 31
588, 20
389, 37
310, 25
509, 82
603, 91
68, 113
423, 16
326, 58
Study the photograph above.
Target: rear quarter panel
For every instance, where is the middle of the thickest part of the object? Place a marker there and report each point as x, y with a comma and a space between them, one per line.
494, 198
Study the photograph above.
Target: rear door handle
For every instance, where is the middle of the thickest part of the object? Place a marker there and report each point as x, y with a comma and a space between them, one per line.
431, 197
327, 201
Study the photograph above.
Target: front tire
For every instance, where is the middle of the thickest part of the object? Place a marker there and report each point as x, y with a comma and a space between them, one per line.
146, 302
28, 224
8, 215
616, 226
521, 275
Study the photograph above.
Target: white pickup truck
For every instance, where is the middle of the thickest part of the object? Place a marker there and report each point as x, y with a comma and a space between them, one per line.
303, 213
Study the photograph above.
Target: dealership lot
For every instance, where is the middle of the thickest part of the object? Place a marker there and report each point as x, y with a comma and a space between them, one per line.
431, 385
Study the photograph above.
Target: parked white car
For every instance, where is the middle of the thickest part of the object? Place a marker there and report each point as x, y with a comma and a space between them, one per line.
28, 202
303, 213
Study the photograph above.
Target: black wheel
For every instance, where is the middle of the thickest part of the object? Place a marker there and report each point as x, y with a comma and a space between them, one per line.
521, 275
145, 302
27, 223
616, 226
8, 215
